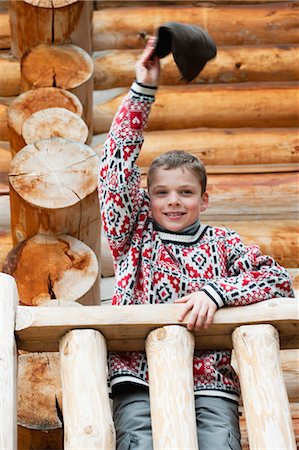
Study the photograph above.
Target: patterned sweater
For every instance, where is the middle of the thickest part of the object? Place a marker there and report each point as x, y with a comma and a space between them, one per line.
155, 266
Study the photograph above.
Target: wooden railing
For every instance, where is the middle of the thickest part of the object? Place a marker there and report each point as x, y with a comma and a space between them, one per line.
84, 334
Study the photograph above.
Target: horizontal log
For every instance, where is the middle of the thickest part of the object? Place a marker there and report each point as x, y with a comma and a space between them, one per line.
40, 329
233, 64
100, 4
250, 196
220, 106
256, 146
115, 68
10, 76
263, 105
248, 24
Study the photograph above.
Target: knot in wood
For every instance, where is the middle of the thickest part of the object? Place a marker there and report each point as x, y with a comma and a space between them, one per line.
88, 430
66, 349
161, 334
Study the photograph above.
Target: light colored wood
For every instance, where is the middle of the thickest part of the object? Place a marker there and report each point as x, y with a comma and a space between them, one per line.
176, 107
51, 22
216, 146
32, 101
10, 76
169, 352
100, 4
88, 421
54, 122
8, 363
64, 66
115, 68
268, 417
54, 191
39, 329
249, 24
270, 196
252, 195
39, 391
295, 418
53, 267
40, 384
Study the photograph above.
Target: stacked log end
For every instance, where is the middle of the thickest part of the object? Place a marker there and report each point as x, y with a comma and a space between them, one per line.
54, 122
51, 22
32, 101
48, 267
64, 66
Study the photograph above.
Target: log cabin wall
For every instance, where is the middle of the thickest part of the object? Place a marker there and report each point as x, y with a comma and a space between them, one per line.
240, 116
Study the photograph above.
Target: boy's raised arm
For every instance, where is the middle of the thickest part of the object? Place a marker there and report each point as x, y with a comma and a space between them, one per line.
121, 198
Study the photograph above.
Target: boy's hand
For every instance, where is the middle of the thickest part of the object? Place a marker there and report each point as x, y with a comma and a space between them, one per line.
202, 310
148, 66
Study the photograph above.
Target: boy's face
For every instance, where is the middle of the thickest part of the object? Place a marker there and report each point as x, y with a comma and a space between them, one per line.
176, 199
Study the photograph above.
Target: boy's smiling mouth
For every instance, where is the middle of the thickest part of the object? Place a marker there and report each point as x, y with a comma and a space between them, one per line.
174, 214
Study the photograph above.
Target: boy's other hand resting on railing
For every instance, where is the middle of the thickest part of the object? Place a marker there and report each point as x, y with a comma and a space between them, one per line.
202, 310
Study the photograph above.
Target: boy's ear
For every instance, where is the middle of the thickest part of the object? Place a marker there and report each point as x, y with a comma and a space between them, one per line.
204, 201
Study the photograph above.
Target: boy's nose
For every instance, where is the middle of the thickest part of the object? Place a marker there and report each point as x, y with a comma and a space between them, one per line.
174, 199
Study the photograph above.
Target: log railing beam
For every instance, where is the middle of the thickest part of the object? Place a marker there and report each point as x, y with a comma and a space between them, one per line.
126, 327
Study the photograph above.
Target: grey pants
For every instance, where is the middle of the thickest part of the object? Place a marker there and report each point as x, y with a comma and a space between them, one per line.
217, 422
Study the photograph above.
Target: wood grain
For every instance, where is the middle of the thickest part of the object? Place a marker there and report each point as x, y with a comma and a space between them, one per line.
87, 416
39, 329
268, 417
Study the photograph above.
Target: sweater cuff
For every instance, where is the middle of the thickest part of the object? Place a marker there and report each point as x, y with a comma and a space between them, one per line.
214, 295
138, 88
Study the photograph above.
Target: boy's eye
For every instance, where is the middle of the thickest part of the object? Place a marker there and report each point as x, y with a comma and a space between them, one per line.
186, 192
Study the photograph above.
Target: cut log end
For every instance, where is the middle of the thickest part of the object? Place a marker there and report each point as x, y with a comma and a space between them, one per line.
51, 268
54, 173
32, 101
63, 66
52, 4
54, 122
39, 391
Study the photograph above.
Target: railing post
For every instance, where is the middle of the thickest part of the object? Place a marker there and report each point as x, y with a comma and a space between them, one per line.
268, 417
170, 352
8, 363
86, 409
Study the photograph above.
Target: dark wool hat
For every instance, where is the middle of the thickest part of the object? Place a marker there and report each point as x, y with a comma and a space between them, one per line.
191, 46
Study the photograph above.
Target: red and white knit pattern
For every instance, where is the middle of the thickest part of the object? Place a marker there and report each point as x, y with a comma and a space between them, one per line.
158, 267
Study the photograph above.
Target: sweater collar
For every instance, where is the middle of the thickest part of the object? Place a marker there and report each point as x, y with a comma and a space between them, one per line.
190, 230
188, 235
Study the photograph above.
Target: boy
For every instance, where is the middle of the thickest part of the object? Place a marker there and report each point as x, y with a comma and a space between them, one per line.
162, 253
